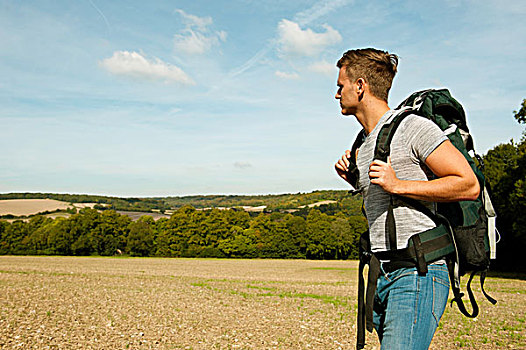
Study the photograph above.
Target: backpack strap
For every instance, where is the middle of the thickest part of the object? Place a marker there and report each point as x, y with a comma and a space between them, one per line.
382, 152
353, 175
458, 295
386, 133
366, 296
482, 279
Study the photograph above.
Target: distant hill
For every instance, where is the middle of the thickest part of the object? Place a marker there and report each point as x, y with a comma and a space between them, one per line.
269, 203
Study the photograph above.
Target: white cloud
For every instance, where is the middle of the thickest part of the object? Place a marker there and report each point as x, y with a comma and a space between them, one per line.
297, 42
195, 21
197, 38
319, 9
242, 165
285, 75
135, 65
195, 42
323, 67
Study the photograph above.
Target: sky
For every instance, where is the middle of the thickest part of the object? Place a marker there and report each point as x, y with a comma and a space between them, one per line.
172, 98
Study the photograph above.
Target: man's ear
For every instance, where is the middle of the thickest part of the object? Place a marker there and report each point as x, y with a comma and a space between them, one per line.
360, 87
360, 84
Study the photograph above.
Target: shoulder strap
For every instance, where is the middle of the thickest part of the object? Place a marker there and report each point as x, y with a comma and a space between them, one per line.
385, 136
352, 173
382, 152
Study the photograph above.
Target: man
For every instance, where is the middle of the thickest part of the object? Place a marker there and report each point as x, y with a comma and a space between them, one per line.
423, 165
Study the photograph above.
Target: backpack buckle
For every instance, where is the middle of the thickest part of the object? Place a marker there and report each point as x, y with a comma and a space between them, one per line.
383, 152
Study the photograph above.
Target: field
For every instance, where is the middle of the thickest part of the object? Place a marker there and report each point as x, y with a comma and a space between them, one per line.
23, 207
27, 207
125, 303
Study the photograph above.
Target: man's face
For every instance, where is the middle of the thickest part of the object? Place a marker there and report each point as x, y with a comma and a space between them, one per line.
347, 93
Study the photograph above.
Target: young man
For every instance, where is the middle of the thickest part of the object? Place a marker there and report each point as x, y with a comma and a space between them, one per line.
407, 305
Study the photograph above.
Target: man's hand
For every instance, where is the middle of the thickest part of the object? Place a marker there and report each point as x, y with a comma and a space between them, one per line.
455, 180
383, 175
342, 165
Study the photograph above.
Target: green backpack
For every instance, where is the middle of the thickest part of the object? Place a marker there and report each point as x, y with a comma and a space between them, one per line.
465, 231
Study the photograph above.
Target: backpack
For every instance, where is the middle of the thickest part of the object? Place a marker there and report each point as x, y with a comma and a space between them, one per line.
465, 232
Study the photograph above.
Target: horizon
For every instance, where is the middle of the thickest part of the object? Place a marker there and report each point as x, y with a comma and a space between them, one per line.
134, 99
177, 196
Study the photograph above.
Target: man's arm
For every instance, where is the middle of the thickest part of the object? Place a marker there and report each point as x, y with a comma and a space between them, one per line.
456, 180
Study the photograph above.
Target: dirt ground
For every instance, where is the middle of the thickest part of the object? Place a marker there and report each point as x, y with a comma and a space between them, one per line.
125, 303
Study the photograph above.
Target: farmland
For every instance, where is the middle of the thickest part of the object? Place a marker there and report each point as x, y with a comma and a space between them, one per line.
152, 303
25, 207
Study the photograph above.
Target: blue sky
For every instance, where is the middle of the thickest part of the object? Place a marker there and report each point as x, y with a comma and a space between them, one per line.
158, 98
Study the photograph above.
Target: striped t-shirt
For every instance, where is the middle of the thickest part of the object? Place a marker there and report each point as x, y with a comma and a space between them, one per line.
414, 140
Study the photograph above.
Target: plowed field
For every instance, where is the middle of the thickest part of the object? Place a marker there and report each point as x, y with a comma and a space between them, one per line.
125, 303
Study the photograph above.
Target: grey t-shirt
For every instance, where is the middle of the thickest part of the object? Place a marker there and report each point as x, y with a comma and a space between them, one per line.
414, 140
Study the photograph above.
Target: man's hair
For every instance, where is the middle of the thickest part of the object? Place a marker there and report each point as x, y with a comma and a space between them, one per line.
377, 67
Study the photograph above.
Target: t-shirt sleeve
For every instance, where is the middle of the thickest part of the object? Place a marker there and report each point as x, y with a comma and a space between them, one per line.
422, 135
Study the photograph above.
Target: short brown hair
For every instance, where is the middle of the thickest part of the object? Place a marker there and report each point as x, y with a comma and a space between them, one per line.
377, 67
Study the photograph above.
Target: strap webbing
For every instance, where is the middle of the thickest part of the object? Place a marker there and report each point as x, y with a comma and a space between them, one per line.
482, 279
353, 174
385, 135
460, 303
390, 225
382, 152
474, 306
366, 299
435, 239
360, 334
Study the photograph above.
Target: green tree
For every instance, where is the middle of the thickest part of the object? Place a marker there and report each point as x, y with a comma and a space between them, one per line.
321, 240
60, 237
358, 225
520, 115
505, 169
240, 243
260, 229
173, 239
345, 236
83, 226
111, 232
140, 240
4, 244
280, 241
36, 242
297, 227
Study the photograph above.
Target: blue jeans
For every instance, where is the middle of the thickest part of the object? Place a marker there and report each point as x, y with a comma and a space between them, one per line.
408, 307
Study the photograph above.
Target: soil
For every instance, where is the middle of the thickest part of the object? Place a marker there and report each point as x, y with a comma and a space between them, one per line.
150, 303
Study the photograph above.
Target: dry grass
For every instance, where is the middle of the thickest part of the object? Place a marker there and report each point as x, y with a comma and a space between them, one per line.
120, 303
25, 207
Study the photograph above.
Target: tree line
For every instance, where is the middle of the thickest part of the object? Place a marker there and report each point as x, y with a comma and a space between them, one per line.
273, 202
311, 234
505, 170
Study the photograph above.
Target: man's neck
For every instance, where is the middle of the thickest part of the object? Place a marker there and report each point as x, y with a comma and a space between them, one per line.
371, 113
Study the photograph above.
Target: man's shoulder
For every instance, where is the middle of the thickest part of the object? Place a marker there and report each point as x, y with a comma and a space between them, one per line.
414, 120
409, 120
415, 124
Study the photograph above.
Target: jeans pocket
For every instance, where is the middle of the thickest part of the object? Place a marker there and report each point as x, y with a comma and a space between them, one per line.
440, 295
